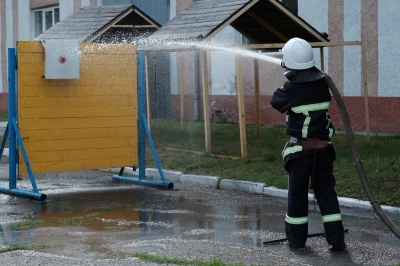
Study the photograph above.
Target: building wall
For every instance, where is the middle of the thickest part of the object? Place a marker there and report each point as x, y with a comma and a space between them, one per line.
375, 22
389, 55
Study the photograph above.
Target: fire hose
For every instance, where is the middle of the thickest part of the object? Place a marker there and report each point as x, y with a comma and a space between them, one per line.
357, 160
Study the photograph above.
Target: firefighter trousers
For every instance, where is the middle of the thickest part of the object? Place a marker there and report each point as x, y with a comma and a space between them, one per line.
300, 170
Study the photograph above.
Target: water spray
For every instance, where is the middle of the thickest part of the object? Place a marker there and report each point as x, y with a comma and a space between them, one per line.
193, 45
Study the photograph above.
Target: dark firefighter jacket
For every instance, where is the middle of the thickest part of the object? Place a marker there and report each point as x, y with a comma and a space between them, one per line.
306, 106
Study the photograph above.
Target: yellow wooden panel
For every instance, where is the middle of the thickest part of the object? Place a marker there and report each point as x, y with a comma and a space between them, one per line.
81, 124
82, 101
47, 167
108, 111
69, 123
32, 60
93, 79
81, 144
117, 49
30, 47
81, 154
58, 89
78, 133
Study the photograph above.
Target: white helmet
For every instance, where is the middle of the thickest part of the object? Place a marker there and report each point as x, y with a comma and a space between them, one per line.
297, 54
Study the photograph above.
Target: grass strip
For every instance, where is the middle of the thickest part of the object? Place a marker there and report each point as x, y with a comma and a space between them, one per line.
380, 157
24, 247
177, 261
80, 218
26, 223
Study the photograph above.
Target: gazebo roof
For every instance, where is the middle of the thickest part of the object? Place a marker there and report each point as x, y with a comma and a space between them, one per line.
261, 21
103, 23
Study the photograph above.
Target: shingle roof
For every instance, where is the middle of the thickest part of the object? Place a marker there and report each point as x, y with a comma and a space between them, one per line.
88, 23
262, 21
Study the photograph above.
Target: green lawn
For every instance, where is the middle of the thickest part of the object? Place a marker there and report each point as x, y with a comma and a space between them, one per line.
3, 116
183, 150
380, 157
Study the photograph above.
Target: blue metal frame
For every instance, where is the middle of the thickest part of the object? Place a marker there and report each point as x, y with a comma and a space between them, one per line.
14, 137
142, 131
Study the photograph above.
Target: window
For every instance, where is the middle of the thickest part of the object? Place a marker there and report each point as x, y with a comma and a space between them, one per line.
45, 18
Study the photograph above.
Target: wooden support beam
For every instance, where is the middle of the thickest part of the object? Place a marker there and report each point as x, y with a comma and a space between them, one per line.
206, 103
230, 20
244, 32
257, 95
321, 54
118, 19
242, 117
296, 19
365, 92
313, 44
181, 88
144, 17
268, 26
134, 26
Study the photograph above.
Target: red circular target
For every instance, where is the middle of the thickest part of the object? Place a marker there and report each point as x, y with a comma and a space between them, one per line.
62, 59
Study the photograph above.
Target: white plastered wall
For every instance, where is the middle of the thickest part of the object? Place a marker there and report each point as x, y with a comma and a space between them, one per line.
66, 8
352, 54
389, 48
223, 66
1, 60
315, 12
173, 62
24, 21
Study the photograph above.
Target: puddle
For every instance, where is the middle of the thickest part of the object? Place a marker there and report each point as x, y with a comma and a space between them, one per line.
140, 212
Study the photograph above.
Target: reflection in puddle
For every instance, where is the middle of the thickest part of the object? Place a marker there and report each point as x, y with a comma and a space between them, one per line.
149, 215
96, 220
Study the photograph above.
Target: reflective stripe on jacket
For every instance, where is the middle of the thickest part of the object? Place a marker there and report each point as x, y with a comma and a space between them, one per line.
306, 105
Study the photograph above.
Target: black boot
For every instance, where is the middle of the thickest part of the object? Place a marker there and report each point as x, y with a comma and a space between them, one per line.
338, 247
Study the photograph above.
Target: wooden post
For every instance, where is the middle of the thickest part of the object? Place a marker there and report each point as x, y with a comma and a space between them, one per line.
181, 88
257, 95
147, 91
242, 118
206, 104
365, 91
321, 53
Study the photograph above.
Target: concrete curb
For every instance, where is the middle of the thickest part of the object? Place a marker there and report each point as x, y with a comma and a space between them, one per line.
237, 185
244, 186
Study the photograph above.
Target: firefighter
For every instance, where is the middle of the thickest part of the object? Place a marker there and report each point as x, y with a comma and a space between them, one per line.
309, 154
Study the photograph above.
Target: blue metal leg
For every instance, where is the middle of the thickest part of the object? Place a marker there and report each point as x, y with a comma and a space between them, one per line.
142, 129
12, 144
141, 73
153, 150
13, 135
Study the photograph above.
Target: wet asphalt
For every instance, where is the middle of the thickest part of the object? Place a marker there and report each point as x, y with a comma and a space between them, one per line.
89, 219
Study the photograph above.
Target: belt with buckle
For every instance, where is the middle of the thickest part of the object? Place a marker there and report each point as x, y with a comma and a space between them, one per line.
295, 140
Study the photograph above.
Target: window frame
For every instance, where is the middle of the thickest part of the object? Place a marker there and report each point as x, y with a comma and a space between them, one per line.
44, 23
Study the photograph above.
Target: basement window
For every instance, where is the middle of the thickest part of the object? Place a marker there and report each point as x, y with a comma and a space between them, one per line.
45, 18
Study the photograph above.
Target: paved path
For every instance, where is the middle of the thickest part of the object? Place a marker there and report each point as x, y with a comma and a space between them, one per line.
91, 218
